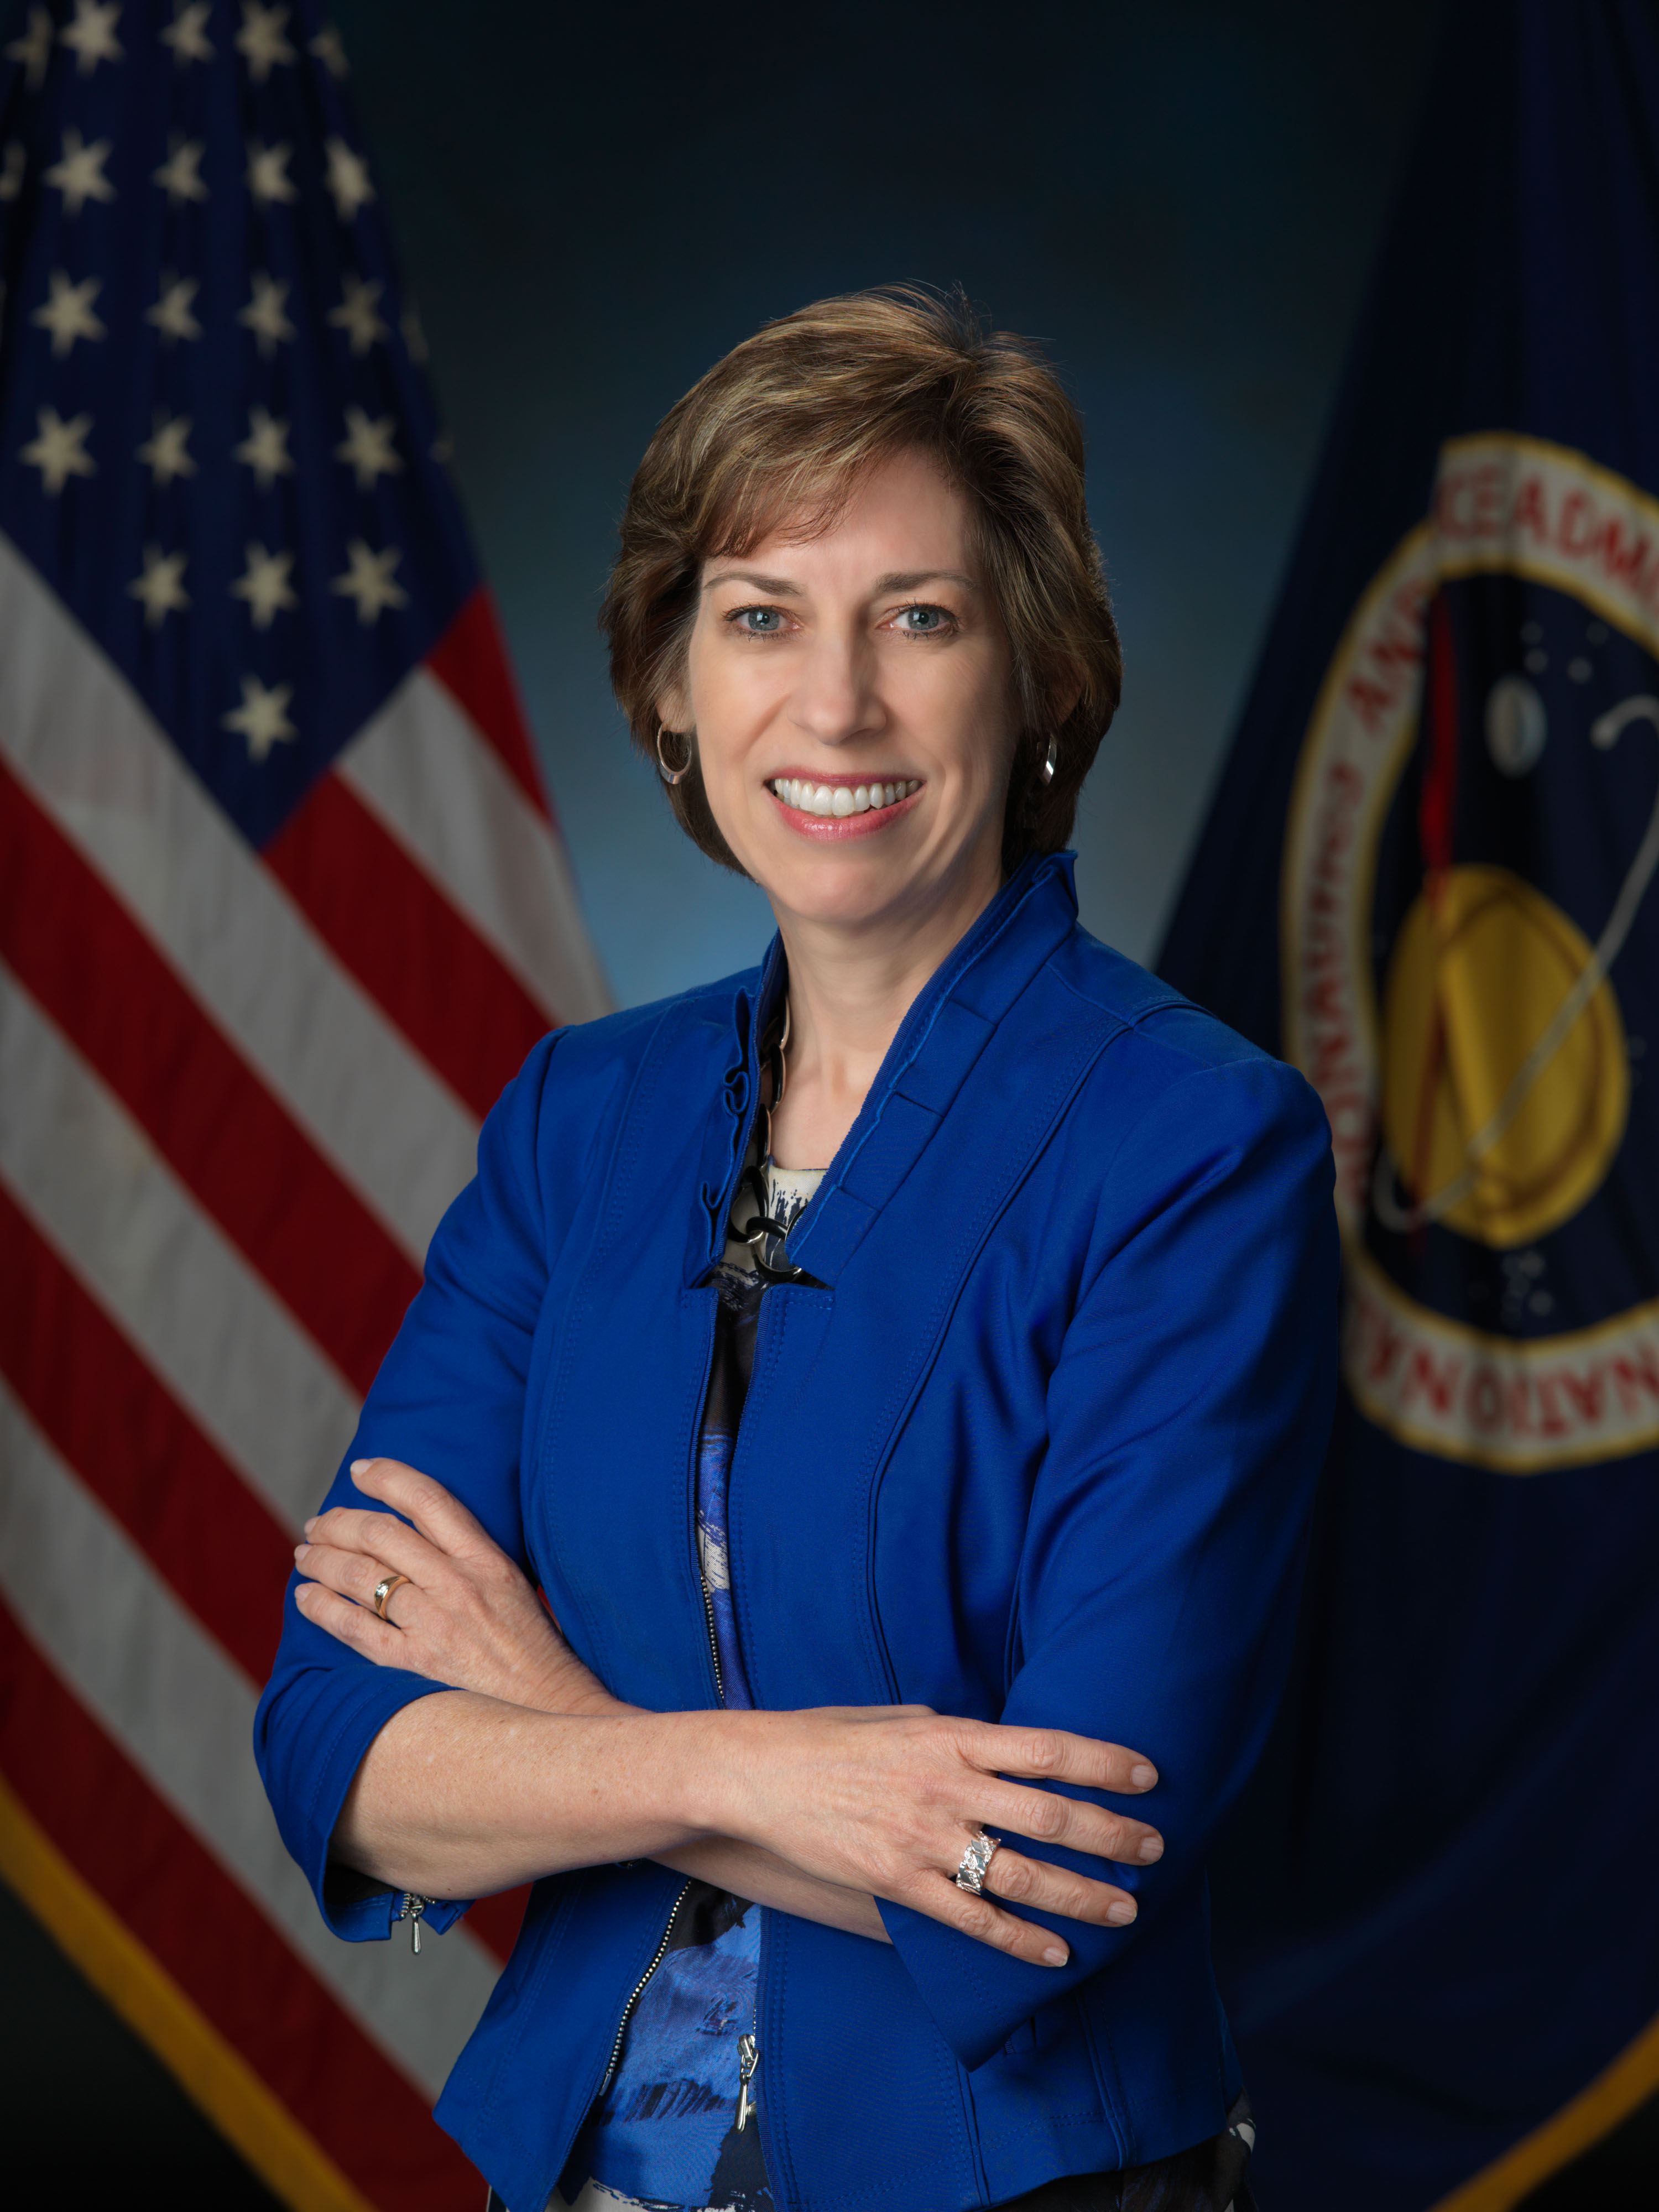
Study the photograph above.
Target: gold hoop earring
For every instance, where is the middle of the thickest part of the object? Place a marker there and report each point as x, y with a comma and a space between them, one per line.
1051, 760
672, 774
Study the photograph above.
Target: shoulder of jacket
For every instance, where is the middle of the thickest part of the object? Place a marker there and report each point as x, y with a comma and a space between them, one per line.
1163, 1041
619, 1043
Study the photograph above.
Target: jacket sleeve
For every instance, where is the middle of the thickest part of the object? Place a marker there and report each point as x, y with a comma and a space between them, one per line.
449, 1399
1187, 1419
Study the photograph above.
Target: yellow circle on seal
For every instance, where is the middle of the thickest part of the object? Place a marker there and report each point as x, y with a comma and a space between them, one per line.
1479, 970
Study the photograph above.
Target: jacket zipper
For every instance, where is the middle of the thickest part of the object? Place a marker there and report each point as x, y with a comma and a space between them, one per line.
748, 2060
713, 1641
413, 1907
639, 1989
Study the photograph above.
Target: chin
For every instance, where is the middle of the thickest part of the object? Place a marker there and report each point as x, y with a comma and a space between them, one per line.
841, 887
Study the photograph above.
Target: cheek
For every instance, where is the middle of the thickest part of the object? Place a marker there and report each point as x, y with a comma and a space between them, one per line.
978, 726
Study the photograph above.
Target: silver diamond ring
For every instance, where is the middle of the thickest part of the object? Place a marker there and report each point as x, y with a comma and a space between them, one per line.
976, 1862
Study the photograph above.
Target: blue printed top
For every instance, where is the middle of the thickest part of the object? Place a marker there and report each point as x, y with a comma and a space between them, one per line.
665, 2132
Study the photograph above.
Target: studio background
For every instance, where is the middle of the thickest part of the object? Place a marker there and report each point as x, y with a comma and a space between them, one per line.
1180, 201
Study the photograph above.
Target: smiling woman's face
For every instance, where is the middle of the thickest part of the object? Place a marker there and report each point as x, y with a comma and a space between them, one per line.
852, 701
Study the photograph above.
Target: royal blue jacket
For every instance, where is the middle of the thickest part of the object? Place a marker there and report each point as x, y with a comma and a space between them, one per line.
1037, 1444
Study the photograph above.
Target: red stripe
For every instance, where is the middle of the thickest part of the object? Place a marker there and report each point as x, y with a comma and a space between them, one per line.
79, 952
384, 918
127, 1844
110, 1418
108, 1415
470, 661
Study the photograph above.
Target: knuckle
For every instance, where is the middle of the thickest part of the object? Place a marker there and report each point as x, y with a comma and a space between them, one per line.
1049, 1818
1002, 1930
1016, 1878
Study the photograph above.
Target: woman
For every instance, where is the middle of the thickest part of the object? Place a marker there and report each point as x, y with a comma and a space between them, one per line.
903, 1369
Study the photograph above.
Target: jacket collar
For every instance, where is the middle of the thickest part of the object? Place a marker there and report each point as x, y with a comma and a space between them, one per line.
938, 1043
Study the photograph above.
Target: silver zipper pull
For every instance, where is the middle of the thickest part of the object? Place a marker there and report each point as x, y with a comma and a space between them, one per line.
410, 1909
748, 2060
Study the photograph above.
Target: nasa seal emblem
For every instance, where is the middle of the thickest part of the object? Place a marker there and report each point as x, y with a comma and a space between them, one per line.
1468, 962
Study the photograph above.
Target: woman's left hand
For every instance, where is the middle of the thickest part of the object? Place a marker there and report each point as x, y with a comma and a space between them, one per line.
467, 1616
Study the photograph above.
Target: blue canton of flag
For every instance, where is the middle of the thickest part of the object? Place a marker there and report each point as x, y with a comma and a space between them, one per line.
215, 444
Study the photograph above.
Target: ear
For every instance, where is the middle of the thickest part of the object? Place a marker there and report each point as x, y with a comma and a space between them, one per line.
1065, 700
673, 705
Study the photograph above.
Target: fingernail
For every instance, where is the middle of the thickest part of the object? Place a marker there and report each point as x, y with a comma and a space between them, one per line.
1117, 1914
312, 1523
1143, 1777
1152, 1847
358, 1465
300, 1551
1054, 1956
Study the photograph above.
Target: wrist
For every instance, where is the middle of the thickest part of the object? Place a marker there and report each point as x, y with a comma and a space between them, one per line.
565, 1685
700, 1759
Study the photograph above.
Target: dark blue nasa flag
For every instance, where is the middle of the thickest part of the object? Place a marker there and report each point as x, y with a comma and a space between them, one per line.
1427, 879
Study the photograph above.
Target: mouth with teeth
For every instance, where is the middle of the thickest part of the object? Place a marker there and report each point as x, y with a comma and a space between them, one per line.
837, 803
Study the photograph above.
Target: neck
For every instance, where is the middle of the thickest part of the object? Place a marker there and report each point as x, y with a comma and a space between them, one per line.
849, 990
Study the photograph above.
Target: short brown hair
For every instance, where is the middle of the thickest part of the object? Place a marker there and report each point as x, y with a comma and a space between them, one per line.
787, 423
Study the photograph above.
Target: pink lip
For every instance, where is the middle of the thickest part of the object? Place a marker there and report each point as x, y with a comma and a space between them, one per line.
835, 828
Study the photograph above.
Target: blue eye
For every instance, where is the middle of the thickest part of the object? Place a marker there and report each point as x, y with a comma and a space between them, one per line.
760, 621
922, 622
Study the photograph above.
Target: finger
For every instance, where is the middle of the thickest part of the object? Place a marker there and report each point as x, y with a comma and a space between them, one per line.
1057, 1889
349, 1623
1045, 1817
938, 1897
350, 1575
1054, 1755
379, 1536
436, 1511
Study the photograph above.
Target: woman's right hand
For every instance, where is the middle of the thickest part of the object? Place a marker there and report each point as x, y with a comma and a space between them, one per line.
885, 1800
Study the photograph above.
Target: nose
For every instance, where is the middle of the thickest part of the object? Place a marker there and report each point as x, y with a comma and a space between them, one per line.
835, 699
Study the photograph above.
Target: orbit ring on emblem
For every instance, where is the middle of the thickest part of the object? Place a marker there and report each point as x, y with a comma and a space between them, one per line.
976, 1862
383, 1591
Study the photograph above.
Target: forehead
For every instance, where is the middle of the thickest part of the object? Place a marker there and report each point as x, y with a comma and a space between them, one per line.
900, 515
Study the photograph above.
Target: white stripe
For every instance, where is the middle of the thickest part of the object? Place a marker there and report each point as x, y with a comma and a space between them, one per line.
445, 795
91, 755
91, 1181
183, 1715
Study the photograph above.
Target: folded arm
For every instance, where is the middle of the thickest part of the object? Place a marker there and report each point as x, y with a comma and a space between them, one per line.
1187, 1417
533, 1766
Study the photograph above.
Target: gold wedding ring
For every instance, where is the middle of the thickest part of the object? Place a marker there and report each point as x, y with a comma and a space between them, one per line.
383, 1591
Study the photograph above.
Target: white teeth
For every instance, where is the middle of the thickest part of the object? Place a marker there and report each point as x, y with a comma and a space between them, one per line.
841, 800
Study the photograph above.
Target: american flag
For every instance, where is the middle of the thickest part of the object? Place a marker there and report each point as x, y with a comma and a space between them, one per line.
282, 907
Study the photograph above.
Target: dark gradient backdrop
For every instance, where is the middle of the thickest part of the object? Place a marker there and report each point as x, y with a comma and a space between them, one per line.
1180, 200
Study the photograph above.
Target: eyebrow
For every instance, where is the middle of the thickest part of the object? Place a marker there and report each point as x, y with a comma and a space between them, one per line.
910, 581
777, 588
780, 587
